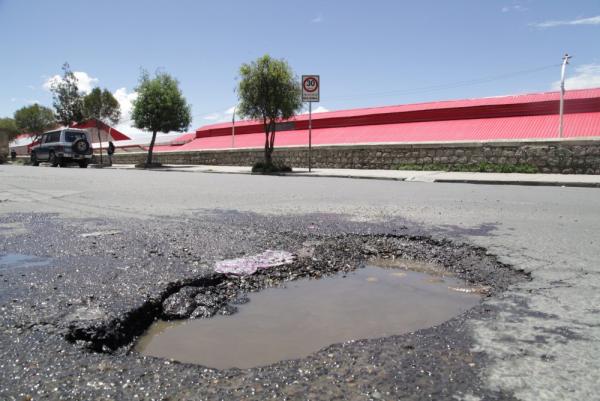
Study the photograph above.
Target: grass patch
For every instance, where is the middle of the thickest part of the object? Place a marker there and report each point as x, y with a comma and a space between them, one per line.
472, 168
270, 168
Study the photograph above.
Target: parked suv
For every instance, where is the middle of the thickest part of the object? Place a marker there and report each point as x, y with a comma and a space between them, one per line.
61, 147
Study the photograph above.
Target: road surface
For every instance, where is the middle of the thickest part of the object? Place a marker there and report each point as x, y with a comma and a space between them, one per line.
544, 342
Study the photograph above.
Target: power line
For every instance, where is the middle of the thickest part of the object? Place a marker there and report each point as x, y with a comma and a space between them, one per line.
439, 87
418, 90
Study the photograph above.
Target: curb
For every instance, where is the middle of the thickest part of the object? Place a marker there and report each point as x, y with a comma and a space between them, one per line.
524, 183
401, 179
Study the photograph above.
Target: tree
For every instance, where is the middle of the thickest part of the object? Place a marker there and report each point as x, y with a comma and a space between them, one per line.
8, 128
35, 119
101, 105
160, 107
268, 91
68, 101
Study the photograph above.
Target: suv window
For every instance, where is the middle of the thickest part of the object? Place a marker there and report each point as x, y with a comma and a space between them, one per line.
71, 136
52, 137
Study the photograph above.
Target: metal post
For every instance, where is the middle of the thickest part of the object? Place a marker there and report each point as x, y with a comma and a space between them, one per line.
233, 128
100, 141
309, 135
562, 93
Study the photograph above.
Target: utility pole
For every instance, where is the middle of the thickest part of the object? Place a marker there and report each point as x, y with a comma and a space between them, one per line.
233, 127
566, 58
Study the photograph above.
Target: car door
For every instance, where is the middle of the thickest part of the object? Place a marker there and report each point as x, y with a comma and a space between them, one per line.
42, 150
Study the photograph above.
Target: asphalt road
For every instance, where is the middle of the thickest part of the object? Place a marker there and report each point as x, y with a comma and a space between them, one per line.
544, 343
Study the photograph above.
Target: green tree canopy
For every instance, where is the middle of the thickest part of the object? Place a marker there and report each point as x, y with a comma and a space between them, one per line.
101, 105
68, 101
160, 107
35, 119
8, 128
268, 91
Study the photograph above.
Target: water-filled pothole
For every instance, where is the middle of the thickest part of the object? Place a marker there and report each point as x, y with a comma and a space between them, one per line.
15, 260
293, 322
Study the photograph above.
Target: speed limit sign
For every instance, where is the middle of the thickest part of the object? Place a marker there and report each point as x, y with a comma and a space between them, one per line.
310, 88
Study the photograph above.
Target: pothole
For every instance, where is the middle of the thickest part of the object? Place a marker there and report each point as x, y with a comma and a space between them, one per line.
306, 315
19, 261
451, 276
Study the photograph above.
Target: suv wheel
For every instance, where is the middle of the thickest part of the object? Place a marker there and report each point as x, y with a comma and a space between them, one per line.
34, 160
52, 159
80, 146
83, 164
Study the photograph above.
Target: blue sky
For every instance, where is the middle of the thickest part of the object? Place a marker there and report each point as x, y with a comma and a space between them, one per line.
367, 53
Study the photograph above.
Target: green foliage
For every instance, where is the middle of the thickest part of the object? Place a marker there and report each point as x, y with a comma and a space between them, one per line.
160, 107
268, 91
472, 168
8, 128
68, 101
270, 168
101, 105
35, 119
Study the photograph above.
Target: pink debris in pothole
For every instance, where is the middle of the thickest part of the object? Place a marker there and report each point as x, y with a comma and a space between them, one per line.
250, 264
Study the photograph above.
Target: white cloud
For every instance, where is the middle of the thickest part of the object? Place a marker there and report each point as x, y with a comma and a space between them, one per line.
586, 76
33, 101
581, 21
13, 99
212, 117
515, 7
319, 109
221, 116
85, 83
318, 19
125, 100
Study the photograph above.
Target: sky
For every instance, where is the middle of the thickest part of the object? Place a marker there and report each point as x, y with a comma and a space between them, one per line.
368, 54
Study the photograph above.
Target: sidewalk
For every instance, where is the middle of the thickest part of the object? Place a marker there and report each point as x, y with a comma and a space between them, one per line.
566, 180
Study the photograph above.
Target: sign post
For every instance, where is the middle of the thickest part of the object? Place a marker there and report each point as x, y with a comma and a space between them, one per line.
311, 87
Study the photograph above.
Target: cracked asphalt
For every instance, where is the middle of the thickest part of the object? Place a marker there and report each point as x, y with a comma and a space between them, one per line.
534, 338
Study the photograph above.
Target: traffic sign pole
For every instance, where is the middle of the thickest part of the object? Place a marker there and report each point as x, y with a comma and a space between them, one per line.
311, 88
309, 135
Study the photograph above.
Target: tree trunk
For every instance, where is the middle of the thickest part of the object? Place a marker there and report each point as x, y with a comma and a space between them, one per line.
150, 149
267, 142
267, 150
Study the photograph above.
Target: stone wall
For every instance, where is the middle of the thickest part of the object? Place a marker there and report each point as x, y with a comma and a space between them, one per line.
557, 156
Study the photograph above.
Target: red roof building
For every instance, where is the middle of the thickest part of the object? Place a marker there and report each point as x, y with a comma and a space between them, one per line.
527, 116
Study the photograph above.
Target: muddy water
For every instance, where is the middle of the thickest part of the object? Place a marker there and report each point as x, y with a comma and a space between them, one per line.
293, 322
15, 260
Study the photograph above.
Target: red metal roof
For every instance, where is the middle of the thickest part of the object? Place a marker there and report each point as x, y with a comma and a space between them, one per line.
183, 139
489, 129
114, 133
527, 116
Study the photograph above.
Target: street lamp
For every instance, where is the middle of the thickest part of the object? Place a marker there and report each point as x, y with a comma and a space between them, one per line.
562, 93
